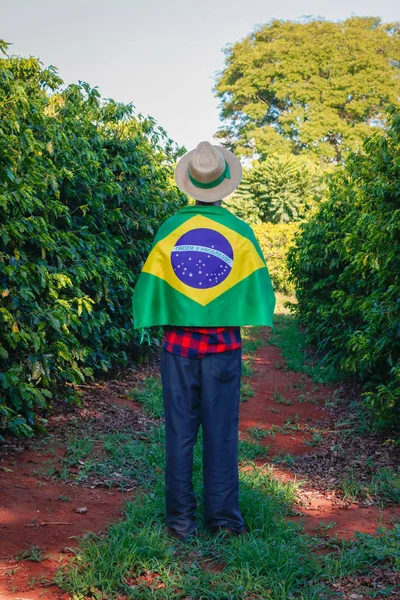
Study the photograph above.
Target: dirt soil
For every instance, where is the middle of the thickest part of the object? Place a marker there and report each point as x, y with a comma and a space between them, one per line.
319, 503
39, 510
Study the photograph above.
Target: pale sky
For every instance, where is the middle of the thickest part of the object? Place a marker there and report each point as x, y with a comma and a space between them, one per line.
161, 55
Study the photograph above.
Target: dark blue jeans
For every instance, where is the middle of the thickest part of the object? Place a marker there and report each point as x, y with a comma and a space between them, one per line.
202, 391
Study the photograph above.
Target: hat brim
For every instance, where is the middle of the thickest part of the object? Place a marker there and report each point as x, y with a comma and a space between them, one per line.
210, 194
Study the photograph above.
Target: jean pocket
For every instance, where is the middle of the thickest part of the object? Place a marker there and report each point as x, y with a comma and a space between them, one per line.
225, 366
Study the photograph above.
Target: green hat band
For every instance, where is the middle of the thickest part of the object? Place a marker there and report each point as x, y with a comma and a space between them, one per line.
212, 184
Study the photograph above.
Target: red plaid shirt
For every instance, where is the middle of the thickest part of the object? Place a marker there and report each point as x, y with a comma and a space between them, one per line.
197, 342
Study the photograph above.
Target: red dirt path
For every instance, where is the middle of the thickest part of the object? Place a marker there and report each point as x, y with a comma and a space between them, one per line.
316, 509
35, 511
28, 500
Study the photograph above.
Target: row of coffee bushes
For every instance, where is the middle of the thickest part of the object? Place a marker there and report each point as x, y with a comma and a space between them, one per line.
84, 184
345, 266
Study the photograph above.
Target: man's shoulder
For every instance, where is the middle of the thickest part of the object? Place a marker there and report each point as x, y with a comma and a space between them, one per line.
240, 225
240, 222
166, 225
179, 214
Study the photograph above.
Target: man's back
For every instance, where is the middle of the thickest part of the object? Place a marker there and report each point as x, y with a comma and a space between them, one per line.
206, 269
204, 278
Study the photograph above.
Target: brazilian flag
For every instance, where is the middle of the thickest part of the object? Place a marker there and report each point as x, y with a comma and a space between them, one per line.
205, 269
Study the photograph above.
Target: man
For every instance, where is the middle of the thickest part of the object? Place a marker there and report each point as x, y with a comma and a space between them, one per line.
204, 278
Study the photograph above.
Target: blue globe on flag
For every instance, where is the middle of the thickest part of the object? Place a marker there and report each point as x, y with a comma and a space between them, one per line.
202, 258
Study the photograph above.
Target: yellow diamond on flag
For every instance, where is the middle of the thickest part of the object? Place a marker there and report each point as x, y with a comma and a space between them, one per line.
202, 259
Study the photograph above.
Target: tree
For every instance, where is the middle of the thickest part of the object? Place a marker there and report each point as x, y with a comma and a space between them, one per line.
281, 189
316, 88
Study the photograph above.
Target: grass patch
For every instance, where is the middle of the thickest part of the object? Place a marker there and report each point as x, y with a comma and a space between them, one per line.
286, 459
33, 553
150, 397
249, 450
287, 428
273, 410
247, 369
115, 462
306, 398
246, 388
277, 556
384, 487
114, 563
277, 560
256, 432
280, 399
315, 440
64, 498
293, 344
251, 339
246, 391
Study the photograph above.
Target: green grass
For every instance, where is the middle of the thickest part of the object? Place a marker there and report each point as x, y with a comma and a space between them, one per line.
293, 344
133, 558
116, 460
246, 391
150, 397
76, 452
287, 428
251, 340
257, 432
64, 498
314, 441
247, 369
384, 487
306, 398
33, 553
287, 459
280, 399
325, 527
249, 450
246, 388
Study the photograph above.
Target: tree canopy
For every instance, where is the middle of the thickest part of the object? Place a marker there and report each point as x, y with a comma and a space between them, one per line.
316, 88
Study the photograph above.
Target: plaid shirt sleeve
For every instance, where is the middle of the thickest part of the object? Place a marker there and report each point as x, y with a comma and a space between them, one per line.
194, 342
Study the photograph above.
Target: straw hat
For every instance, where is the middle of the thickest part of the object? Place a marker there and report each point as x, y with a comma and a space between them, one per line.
208, 173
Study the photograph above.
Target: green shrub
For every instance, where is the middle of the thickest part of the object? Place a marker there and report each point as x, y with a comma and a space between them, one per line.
84, 184
346, 268
275, 241
281, 189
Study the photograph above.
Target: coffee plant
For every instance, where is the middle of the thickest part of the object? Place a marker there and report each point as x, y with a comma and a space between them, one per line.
84, 185
345, 265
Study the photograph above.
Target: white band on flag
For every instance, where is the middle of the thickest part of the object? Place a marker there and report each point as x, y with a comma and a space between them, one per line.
206, 250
